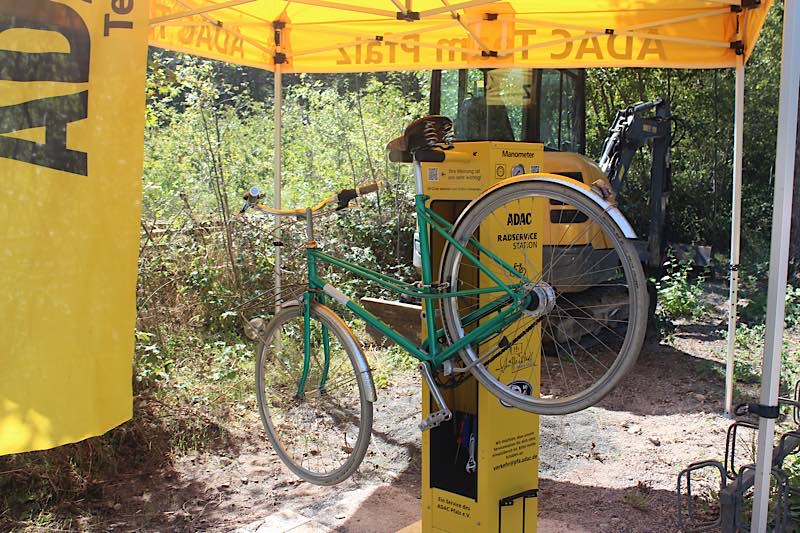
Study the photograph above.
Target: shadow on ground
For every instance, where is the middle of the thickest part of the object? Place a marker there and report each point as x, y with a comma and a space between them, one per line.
627, 510
666, 381
125, 479
389, 507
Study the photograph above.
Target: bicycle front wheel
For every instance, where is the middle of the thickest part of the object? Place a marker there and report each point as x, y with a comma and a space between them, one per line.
317, 413
588, 316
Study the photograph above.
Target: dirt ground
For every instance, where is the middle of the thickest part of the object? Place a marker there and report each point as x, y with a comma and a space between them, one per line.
611, 468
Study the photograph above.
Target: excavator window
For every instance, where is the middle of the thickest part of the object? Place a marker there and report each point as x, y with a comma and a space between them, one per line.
514, 104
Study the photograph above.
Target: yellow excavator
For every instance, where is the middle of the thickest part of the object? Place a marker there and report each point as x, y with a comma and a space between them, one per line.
548, 106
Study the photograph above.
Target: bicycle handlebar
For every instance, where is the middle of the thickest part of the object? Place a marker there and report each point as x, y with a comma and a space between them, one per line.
343, 198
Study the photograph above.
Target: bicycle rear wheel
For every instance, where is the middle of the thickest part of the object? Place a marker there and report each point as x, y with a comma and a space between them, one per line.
570, 252
320, 429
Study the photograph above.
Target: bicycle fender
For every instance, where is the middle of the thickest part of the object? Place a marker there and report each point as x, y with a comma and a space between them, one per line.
362, 367
612, 210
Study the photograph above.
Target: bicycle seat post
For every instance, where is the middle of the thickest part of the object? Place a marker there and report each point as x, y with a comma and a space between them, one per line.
418, 175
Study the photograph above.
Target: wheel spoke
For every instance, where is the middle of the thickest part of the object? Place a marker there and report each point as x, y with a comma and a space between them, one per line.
321, 435
595, 325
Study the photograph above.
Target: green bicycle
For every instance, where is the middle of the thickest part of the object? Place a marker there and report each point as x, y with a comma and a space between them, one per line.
584, 295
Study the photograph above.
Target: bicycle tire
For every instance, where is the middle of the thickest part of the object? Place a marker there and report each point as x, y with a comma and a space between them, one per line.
549, 399
298, 427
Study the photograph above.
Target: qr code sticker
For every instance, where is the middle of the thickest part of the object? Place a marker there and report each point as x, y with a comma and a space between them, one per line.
433, 174
535, 169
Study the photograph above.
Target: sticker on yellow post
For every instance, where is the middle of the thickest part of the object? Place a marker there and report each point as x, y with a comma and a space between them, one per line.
72, 79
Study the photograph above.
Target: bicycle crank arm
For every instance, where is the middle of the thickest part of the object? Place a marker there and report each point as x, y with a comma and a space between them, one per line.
443, 414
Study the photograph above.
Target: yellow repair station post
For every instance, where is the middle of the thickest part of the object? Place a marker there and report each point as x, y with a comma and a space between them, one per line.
480, 470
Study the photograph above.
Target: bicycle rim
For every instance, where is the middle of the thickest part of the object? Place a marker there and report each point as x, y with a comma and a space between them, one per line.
323, 434
556, 238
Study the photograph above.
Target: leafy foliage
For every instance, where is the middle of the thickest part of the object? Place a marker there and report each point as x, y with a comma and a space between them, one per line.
680, 294
209, 138
701, 103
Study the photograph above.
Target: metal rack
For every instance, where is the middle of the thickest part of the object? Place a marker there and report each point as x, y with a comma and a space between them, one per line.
736, 485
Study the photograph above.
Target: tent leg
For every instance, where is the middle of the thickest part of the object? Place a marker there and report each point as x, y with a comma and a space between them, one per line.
277, 183
736, 218
779, 255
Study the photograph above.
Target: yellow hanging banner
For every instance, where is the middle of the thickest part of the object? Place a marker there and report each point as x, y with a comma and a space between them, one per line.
72, 76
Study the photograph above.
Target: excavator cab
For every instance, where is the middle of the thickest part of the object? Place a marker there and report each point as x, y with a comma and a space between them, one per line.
548, 106
514, 104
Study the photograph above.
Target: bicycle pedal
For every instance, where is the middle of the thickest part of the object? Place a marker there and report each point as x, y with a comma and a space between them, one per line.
435, 419
443, 414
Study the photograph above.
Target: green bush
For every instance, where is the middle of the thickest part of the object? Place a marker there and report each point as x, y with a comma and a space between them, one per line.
680, 295
750, 351
753, 307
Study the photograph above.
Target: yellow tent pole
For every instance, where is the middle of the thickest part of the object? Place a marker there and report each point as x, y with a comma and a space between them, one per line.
398, 5
203, 12
345, 7
453, 8
563, 25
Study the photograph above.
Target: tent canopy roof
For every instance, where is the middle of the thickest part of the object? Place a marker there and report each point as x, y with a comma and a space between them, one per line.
380, 35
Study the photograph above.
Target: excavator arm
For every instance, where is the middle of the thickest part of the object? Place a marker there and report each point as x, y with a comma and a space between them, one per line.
632, 128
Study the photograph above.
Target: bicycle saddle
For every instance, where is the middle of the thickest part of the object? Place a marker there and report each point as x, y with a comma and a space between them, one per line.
426, 133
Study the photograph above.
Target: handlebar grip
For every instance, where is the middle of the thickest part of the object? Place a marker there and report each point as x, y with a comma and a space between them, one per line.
344, 197
455, 156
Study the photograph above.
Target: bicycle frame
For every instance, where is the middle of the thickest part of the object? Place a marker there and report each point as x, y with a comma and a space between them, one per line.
429, 350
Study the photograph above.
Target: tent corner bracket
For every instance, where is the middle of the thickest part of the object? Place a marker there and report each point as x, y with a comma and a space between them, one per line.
746, 4
408, 16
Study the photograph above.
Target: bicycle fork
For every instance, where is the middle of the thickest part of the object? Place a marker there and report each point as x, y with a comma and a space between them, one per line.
443, 414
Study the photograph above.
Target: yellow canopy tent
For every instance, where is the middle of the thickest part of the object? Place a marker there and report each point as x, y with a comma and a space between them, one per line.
55, 389
363, 35
379, 35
